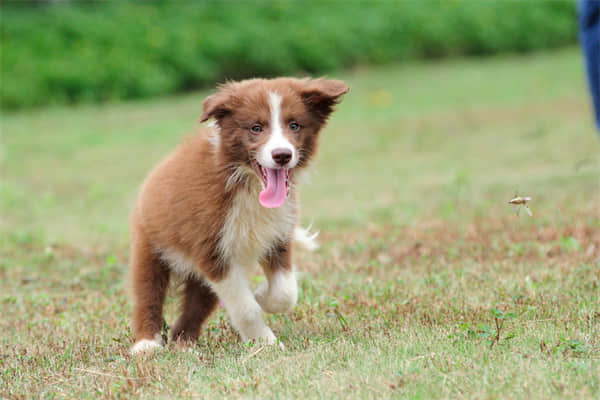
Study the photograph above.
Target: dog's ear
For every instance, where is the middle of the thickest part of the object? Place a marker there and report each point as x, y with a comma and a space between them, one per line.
320, 95
216, 106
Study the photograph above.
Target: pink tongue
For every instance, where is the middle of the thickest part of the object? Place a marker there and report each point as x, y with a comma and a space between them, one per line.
275, 193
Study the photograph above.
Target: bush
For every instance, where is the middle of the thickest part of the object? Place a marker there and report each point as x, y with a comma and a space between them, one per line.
65, 53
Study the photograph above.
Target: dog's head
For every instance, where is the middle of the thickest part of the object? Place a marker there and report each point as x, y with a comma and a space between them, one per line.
270, 127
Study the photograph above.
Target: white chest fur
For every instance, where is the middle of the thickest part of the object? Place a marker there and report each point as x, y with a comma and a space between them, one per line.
250, 229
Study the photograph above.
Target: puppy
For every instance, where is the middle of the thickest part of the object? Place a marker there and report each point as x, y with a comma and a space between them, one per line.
224, 201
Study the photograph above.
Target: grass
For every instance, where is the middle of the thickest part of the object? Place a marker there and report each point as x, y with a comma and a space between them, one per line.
427, 285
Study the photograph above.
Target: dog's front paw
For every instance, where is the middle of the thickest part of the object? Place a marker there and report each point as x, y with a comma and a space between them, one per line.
271, 340
279, 297
260, 294
266, 338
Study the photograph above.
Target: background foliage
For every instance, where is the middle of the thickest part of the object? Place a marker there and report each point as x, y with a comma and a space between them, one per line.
66, 53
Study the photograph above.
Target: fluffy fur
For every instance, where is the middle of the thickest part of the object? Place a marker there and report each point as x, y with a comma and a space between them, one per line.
198, 214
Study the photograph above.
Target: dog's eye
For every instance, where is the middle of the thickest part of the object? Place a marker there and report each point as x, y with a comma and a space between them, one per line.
256, 129
294, 127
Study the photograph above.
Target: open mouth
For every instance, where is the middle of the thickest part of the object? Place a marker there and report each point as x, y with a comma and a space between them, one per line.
277, 186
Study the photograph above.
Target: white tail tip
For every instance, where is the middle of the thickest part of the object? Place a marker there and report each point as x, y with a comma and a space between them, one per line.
306, 239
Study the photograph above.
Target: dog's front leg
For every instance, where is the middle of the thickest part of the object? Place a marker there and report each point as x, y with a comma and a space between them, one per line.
245, 313
280, 293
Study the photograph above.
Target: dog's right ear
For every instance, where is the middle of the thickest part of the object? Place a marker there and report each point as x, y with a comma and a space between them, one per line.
215, 106
321, 95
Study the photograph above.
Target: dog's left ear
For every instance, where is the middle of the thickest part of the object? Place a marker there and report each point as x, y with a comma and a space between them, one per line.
215, 106
322, 94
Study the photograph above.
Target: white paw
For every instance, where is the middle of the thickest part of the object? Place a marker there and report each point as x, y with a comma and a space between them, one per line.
267, 338
260, 294
279, 297
147, 345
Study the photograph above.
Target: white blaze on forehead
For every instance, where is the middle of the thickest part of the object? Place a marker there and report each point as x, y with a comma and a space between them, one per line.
277, 140
275, 111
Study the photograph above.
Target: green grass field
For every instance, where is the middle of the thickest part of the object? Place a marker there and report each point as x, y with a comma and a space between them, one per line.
427, 285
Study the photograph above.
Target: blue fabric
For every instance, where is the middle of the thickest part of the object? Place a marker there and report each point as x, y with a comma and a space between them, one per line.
589, 34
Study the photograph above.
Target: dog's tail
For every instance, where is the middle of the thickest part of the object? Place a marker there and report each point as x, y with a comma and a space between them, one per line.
305, 239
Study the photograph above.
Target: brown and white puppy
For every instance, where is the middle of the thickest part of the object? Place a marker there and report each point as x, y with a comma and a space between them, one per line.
224, 201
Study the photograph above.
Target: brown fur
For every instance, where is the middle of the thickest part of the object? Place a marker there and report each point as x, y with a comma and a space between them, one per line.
184, 200
279, 258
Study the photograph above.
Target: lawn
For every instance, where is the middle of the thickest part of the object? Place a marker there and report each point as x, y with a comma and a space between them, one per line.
426, 285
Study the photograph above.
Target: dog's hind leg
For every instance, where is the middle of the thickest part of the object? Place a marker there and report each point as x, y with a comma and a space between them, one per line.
198, 303
149, 280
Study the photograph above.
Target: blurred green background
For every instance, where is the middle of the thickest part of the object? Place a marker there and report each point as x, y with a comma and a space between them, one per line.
56, 52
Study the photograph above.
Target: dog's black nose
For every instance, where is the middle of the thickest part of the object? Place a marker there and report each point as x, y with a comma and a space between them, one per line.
281, 156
